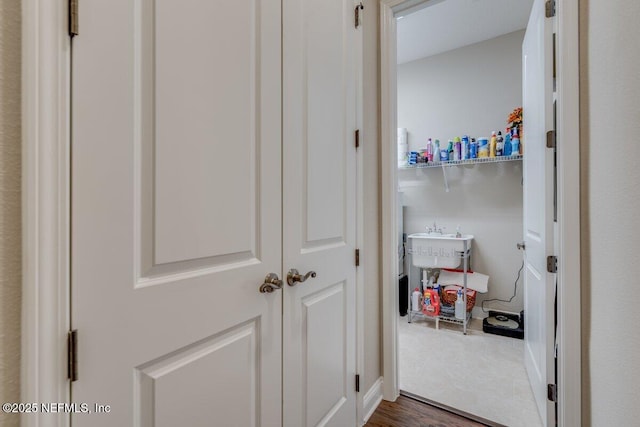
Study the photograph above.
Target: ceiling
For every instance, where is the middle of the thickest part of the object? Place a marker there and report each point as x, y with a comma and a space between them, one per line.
446, 25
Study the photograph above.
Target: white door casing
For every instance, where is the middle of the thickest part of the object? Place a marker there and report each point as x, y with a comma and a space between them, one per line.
539, 285
176, 212
319, 211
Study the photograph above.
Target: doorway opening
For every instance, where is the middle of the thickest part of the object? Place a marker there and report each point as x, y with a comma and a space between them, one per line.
456, 83
443, 183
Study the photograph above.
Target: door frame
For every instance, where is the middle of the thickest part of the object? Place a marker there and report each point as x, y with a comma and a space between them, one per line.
46, 216
568, 183
46, 89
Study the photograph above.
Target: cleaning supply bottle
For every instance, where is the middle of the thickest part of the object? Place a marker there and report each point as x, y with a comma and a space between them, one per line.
431, 305
507, 143
499, 145
415, 300
492, 144
465, 148
457, 148
515, 144
450, 150
436, 151
473, 149
483, 147
429, 151
460, 306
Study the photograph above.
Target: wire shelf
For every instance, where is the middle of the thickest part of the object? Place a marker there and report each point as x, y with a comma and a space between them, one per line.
463, 162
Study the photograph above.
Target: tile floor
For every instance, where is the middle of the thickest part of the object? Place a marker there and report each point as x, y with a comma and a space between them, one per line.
478, 373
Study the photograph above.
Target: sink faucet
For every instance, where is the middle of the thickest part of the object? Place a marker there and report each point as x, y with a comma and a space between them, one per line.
435, 229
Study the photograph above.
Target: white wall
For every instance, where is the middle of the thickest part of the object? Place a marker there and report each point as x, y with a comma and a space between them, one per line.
10, 199
610, 116
468, 90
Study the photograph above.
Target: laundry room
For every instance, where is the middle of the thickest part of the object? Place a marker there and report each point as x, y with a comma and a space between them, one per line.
461, 151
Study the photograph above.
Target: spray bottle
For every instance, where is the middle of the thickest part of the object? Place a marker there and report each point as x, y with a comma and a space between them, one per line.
507, 143
515, 144
460, 307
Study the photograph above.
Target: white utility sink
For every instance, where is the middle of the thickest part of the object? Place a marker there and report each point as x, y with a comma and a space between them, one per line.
439, 250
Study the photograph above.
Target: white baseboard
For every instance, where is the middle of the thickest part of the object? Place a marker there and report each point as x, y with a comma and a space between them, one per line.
477, 313
372, 399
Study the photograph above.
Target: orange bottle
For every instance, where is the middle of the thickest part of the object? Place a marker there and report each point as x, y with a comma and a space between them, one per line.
431, 303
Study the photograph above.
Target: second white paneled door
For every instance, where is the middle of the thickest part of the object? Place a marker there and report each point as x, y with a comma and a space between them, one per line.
320, 46
539, 283
212, 144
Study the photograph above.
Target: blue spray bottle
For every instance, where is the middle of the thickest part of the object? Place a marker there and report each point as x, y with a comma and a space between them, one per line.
507, 143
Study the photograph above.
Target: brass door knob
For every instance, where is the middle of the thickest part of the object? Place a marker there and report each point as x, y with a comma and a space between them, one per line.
293, 276
271, 283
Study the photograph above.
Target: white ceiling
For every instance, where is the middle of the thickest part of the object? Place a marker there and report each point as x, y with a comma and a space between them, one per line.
450, 24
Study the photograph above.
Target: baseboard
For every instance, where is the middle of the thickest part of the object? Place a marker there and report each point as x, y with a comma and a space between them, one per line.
477, 313
372, 399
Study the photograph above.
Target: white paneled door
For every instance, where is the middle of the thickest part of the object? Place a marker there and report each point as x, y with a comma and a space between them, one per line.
539, 284
204, 157
319, 211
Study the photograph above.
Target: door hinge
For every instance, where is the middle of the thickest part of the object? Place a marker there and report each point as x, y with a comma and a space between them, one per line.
72, 355
357, 14
552, 264
550, 8
551, 139
357, 257
357, 383
552, 392
357, 138
73, 18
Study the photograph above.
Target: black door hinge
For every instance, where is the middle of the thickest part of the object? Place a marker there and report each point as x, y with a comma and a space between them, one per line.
357, 383
357, 14
552, 392
550, 8
357, 138
552, 264
72, 355
357, 257
551, 139
73, 18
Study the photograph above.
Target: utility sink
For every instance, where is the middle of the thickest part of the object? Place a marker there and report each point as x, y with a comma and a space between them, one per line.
429, 250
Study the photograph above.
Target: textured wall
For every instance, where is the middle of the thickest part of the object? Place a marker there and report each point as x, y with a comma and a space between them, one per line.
468, 90
610, 127
10, 200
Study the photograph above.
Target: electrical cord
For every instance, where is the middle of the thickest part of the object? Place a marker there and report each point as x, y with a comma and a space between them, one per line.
515, 290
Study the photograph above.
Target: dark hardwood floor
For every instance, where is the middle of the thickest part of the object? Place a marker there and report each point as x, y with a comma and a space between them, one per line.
406, 412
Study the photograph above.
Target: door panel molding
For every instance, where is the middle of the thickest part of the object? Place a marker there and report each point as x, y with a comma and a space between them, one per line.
232, 152
157, 382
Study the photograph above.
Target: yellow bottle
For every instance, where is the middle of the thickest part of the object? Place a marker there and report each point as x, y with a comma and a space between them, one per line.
492, 144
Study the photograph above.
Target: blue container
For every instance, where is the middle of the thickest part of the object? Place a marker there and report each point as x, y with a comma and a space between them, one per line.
473, 150
465, 148
444, 155
413, 158
507, 145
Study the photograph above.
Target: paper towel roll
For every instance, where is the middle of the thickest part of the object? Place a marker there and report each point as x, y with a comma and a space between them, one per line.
403, 146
